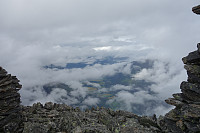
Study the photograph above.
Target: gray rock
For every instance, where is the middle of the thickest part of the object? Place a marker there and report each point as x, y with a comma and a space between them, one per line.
196, 9
174, 102
192, 58
198, 47
186, 116
10, 112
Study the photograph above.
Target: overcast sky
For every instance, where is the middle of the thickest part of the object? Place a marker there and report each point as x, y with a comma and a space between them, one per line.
35, 33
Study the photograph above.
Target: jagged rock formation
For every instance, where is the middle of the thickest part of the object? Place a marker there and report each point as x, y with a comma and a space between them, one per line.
52, 118
10, 111
186, 116
196, 9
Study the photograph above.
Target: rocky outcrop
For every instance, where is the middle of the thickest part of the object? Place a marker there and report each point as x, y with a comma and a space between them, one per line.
10, 110
52, 118
196, 9
186, 115
185, 118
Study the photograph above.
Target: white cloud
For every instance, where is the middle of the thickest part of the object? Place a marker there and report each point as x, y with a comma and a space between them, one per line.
129, 99
120, 87
91, 101
106, 48
166, 77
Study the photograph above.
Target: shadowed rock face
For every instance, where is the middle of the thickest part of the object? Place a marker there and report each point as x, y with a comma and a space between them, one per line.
10, 111
196, 9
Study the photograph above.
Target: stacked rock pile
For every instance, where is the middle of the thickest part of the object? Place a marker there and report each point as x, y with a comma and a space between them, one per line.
186, 116
10, 116
196, 9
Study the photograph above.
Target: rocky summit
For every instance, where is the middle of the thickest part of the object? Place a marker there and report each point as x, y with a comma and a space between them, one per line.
61, 118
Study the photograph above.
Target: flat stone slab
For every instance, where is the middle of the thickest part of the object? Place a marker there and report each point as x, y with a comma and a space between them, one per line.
189, 86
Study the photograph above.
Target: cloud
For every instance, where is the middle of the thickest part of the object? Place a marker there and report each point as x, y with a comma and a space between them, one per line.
120, 87
139, 101
137, 98
91, 101
78, 89
71, 21
166, 75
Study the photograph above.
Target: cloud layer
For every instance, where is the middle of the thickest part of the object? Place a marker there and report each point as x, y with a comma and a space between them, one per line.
36, 33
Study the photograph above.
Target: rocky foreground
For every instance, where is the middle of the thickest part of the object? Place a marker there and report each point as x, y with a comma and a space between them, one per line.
52, 118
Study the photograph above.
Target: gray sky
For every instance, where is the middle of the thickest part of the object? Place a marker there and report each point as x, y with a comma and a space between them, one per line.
35, 33
166, 24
